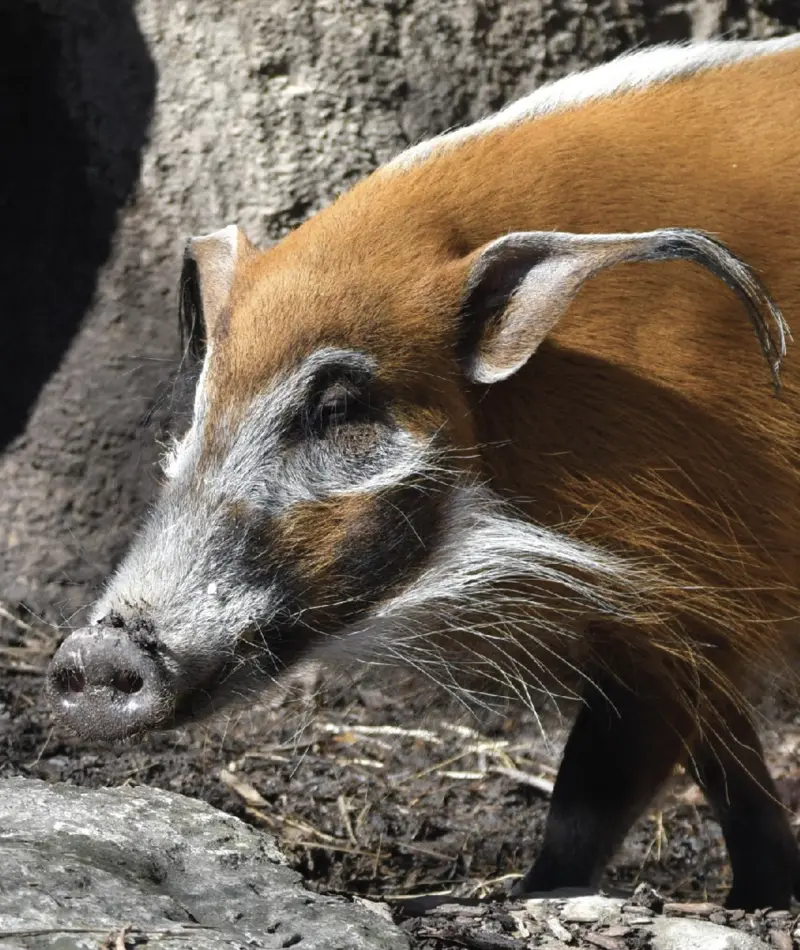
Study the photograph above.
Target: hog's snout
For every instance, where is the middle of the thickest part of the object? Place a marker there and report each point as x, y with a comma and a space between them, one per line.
103, 685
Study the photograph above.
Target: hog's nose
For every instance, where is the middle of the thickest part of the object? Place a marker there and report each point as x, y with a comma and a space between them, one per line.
102, 685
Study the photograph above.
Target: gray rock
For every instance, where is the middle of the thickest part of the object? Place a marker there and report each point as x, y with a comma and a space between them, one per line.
592, 909
76, 865
581, 909
670, 933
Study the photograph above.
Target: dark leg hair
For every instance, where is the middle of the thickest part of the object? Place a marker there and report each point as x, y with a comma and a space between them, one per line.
622, 748
728, 764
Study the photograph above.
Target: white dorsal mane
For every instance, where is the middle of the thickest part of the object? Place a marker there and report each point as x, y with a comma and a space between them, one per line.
627, 73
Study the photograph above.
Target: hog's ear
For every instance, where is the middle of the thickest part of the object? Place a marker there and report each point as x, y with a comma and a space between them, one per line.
519, 286
210, 262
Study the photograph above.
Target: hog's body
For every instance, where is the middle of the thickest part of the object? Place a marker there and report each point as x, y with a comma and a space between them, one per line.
379, 388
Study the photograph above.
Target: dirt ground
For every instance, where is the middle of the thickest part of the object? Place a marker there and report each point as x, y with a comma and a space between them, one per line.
377, 791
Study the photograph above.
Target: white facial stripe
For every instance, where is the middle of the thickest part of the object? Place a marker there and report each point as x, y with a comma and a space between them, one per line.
260, 426
184, 453
254, 468
626, 73
406, 457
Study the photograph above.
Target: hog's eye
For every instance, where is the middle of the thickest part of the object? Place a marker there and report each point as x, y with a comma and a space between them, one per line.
341, 402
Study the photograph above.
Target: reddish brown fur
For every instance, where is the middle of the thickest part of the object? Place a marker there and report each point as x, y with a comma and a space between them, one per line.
299, 542
647, 422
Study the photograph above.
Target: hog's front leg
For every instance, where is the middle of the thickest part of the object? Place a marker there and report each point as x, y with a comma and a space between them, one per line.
622, 747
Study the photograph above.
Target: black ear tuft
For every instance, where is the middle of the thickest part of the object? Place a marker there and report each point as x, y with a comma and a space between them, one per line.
190, 311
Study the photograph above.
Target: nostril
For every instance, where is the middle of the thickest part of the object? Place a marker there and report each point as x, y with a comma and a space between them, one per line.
95, 670
127, 681
69, 679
